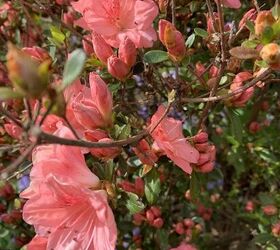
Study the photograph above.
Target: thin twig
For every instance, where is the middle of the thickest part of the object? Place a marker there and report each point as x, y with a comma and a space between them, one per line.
18, 161
233, 93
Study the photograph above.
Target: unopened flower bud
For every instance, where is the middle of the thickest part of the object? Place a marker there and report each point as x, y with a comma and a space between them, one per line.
117, 68
156, 211
150, 216
27, 75
101, 49
158, 223
270, 210
206, 168
254, 127
201, 137
264, 19
179, 228
270, 53
127, 52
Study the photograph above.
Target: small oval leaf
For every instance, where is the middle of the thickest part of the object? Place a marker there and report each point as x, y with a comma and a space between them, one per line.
73, 67
244, 53
8, 94
155, 56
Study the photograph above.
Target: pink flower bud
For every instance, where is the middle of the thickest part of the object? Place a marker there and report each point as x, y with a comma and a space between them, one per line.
13, 130
270, 210
106, 153
158, 223
206, 168
276, 229
178, 51
202, 147
117, 68
201, 137
156, 211
37, 53
145, 153
239, 100
68, 18
101, 49
213, 72
102, 97
7, 191
139, 186
179, 228
103, 153
199, 68
188, 223
150, 216
138, 218
172, 39
127, 52
87, 45
250, 15
249, 206
203, 158
212, 152
254, 127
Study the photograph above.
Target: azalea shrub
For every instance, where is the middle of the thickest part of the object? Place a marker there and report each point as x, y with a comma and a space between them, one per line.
139, 124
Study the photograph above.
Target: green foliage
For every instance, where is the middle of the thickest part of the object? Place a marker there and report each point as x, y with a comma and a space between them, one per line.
73, 67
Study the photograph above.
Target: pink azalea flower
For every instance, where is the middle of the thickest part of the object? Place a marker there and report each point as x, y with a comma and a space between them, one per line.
115, 19
38, 243
240, 99
65, 162
235, 4
37, 53
101, 136
71, 216
145, 153
90, 108
169, 138
184, 246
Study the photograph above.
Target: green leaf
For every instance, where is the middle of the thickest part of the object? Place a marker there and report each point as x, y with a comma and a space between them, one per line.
251, 44
122, 132
7, 93
266, 199
57, 35
244, 53
263, 238
250, 25
201, 32
155, 56
152, 186
73, 67
267, 35
194, 186
276, 10
162, 236
134, 204
276, 28
190, 40
235, 124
